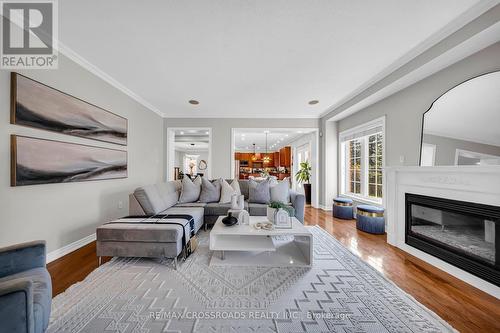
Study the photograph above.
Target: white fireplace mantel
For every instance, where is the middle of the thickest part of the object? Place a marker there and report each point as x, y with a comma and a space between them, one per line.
478, 184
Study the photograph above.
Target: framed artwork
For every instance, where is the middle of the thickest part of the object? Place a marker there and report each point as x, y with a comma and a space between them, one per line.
40, 161
37, 105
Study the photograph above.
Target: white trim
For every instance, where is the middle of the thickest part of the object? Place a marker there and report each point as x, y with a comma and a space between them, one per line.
325, 208
480, 155
78, 59
315, 143
171, 149
467, 139
56, 254
378, 122
433, 147
435, 39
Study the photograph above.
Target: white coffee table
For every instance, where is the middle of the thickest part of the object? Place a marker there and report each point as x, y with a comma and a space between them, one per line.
243, 245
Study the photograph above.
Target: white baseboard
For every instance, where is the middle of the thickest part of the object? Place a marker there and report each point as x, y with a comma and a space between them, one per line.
56, 254
327, 208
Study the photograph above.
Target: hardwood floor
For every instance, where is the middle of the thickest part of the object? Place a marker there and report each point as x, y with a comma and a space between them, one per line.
466, 308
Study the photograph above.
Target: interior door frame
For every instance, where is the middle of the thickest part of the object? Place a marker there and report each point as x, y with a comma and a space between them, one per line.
314, 150
171, 149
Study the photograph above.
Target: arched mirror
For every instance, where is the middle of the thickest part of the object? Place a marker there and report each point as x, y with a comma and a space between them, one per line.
462, 127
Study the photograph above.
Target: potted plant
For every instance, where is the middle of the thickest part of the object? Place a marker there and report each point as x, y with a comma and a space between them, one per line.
303, 176
274, 206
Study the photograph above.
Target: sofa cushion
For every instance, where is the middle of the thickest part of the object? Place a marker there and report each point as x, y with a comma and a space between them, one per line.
139, 232
191, 204
210, 190
150, 200
42, 294
168, 193
195, 212
244, 188
281, 191
228, 190
258, 192
217, 209
190, 191
257, 209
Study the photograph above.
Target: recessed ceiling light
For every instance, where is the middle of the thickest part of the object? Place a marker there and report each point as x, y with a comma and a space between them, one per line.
182, 132
286, 135
207, 133
313, 102
299, 132
194, 102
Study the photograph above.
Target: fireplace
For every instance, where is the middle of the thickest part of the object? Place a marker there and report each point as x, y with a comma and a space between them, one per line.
463, 234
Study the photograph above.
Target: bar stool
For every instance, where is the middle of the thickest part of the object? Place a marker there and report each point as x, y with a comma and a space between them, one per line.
370, 219
342, 208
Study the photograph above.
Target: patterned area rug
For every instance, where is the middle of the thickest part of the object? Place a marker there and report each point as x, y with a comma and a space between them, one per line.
340, 293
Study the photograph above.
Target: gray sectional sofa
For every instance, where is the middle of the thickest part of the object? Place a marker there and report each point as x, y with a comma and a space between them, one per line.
162, 198
158, 240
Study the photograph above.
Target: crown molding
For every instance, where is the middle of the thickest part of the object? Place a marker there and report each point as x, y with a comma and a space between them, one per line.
420, 71
75, 57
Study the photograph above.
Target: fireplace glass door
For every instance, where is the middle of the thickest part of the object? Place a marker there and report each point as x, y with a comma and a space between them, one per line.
462, 233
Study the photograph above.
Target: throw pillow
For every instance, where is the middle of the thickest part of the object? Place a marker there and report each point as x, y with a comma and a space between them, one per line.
190, 191
281, 192
258, 192
227, 191
210, 191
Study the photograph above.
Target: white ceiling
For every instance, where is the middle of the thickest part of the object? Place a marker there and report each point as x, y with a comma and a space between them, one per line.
191, 140
276, 138
470, 111
248, 58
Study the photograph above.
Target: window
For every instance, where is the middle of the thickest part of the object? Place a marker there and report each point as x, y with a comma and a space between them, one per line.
375, 165
362, 154
354, 166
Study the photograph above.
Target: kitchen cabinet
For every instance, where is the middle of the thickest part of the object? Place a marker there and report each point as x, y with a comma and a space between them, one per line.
286, 157
276, 159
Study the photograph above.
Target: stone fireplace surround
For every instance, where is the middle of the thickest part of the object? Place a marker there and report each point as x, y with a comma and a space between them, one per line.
478, 184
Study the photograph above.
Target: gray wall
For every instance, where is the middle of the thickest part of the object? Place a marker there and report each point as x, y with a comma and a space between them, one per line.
404, 109
64, 213
221, 135
446, 148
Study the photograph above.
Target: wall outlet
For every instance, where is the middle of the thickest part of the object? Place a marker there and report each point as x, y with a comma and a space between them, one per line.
120, 204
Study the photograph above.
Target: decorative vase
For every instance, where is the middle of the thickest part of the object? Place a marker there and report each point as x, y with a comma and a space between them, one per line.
307, 193
271, 213
229, 220
237, 202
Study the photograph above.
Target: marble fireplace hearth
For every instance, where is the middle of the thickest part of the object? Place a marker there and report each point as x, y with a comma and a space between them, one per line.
471, 184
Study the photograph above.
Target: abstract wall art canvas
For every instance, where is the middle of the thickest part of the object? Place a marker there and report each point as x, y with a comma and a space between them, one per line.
34, 104
39, 161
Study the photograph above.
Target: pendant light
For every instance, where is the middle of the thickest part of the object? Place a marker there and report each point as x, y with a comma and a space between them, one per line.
267, 158
254, 156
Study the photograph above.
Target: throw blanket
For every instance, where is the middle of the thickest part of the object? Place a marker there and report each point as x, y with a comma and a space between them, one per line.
183, 220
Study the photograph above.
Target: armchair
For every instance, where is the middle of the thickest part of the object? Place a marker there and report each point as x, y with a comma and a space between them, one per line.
25, 288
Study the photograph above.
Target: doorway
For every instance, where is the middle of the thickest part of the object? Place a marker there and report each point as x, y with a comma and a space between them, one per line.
189, 152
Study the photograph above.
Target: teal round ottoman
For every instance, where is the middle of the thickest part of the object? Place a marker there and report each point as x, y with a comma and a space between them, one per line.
370, 219
342, 208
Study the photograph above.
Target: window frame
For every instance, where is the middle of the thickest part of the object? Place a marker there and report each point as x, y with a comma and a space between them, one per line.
364, 174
